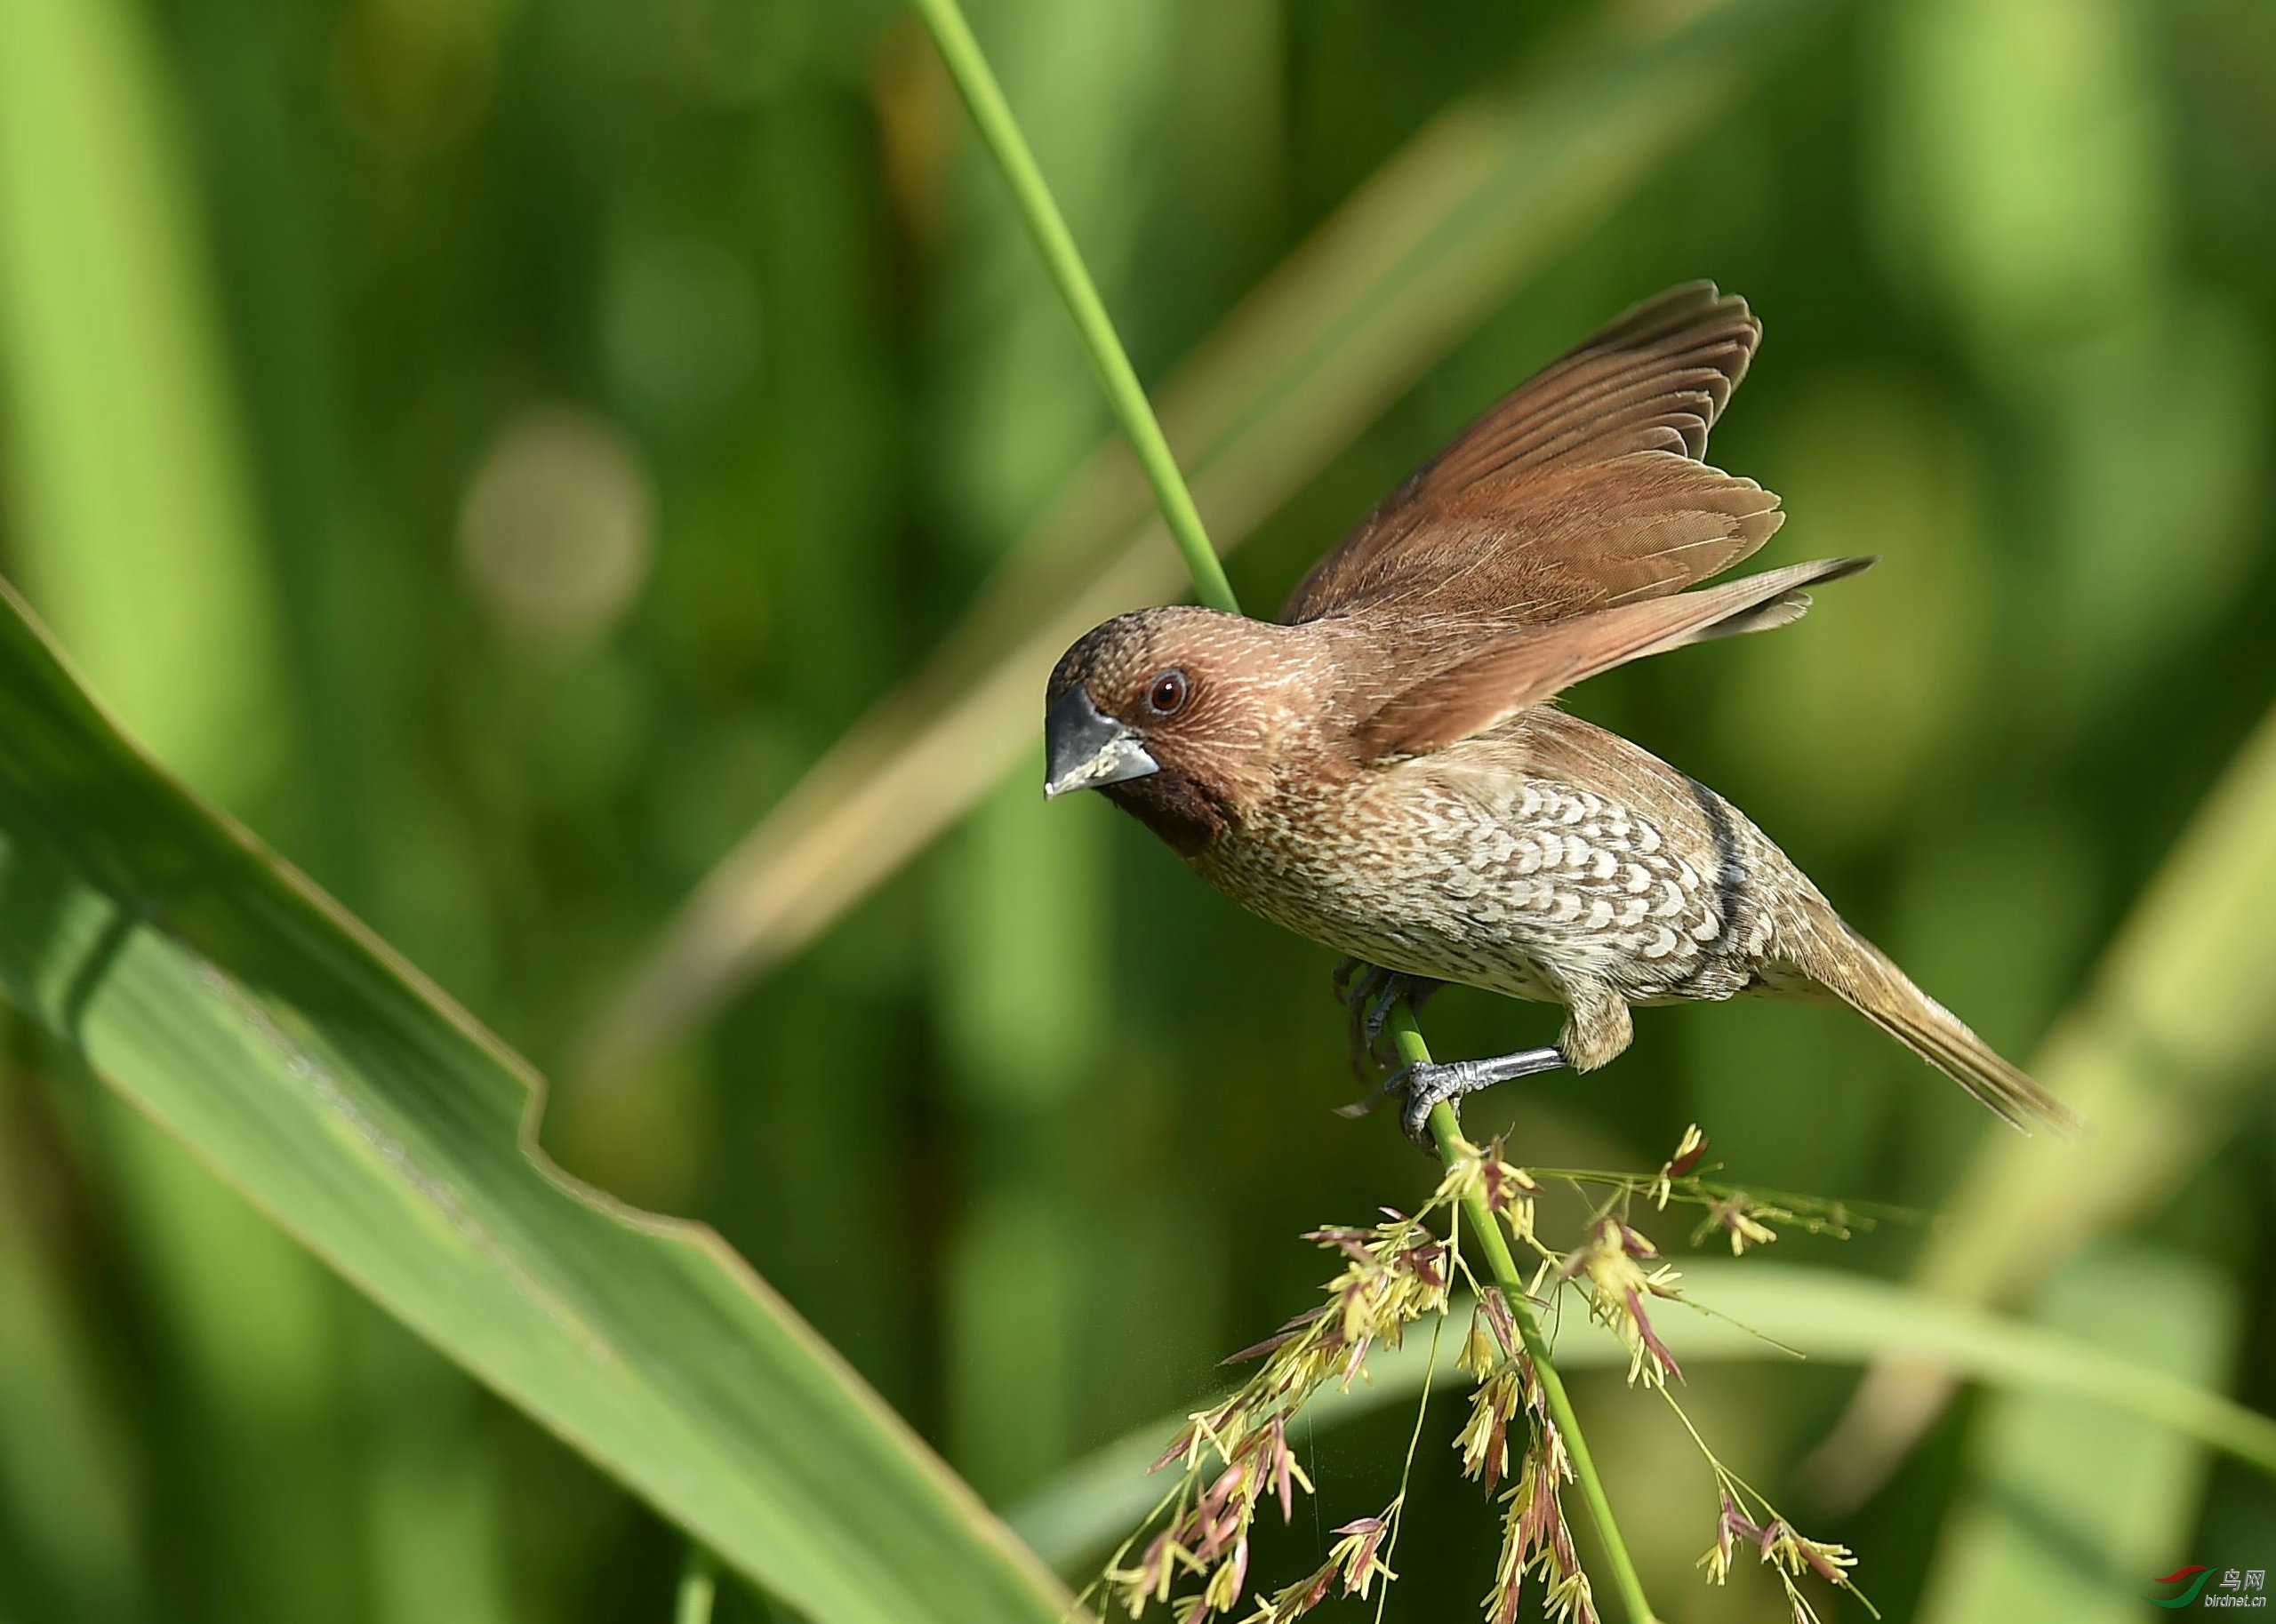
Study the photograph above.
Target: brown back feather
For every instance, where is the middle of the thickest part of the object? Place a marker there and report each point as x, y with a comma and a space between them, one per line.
1581, 489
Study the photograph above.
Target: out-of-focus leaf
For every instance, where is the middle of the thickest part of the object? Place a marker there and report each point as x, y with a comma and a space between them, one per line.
131, 518
2052, 1480
1770, 1311
68, 1532
1439, 238
2175, 1033
349, 1101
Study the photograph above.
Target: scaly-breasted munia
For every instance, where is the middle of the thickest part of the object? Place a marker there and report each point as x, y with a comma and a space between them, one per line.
1384, 770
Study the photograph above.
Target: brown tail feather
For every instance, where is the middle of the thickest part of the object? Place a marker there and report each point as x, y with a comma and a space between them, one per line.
1866, 978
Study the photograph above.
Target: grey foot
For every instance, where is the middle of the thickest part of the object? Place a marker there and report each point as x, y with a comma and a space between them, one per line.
1428, 1082
1370, 992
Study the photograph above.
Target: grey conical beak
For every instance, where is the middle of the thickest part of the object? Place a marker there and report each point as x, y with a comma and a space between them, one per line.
1083, 747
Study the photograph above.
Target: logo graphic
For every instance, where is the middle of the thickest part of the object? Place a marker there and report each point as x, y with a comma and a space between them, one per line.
2233, 1588
2196, 1576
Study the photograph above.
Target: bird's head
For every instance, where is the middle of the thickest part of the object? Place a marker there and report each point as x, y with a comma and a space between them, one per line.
1178, 714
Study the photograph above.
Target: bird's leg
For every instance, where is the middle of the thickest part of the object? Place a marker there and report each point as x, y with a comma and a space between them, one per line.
1425, 1084
1598, 1027
1370, 992
1352, 979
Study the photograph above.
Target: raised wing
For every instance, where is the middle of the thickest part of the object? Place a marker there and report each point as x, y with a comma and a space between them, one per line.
1582, 490
1529, 664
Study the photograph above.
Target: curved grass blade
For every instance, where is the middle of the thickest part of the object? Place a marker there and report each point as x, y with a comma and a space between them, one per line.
1771, 1308
1484, 199
355, 1106
2174, 1037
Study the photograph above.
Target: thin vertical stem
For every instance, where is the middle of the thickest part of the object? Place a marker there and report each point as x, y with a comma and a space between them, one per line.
969, 68
699, 1582
1447, 1133
990, 111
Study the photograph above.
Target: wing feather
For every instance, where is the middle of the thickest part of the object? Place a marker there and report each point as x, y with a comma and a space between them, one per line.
1581, 489
1532, 663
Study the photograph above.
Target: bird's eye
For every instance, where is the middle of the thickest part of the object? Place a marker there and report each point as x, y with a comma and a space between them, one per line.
1167, 696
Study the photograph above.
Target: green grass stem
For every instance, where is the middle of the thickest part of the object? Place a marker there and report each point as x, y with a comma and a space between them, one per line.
1447, 1133
699, 1584
977, 84
993, 115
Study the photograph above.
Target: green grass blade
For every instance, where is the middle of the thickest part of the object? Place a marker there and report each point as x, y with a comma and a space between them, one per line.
131, 519
2172, 1040
68, 1531
976, 81
698, 1586
2050, 1475
1820, 1313
132, 522
347, 1100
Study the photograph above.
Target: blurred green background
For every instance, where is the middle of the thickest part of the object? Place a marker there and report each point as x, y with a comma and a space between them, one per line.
495, 446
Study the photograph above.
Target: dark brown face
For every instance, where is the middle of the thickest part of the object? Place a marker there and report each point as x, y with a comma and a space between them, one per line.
1163, 711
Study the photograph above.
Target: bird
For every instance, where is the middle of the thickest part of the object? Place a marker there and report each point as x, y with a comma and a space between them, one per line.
1386, 770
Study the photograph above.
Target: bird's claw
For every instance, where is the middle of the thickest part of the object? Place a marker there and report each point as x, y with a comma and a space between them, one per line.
1370, 992
1422, 1086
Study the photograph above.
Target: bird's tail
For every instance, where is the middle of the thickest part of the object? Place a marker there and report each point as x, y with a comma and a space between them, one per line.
1866, 978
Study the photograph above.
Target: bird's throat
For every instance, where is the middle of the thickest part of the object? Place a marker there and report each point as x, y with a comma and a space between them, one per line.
1174, 808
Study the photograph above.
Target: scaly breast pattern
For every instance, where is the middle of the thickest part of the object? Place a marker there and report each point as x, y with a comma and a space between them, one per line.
1519, 883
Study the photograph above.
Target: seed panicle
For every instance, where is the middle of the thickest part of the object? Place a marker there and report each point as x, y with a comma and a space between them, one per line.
1234, 1458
